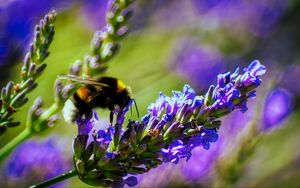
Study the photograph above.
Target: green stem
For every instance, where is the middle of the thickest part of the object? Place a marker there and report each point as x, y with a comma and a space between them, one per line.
50, 112
5, 151
13, 143
56, 179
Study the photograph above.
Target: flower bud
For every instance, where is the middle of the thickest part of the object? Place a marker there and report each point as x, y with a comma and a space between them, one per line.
39, 70
3, 94
208, 99
79, 145
31, 70
2, 129
9, 88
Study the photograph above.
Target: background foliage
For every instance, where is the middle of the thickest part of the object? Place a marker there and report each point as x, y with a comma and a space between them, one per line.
169, 41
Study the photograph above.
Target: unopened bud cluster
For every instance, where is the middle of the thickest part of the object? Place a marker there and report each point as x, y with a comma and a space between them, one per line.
13, 95
104, 44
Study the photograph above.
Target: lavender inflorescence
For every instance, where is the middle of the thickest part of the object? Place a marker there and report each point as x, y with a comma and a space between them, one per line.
13, 96
104, 44
173, 127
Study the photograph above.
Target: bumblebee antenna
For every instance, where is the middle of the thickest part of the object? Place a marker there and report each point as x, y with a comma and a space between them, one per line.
137, 111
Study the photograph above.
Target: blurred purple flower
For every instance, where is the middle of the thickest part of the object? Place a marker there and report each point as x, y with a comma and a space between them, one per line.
277, 107
198, 64
255, 16
93, 12
288, 78
34, 161
200, 164
156, 177
17, 23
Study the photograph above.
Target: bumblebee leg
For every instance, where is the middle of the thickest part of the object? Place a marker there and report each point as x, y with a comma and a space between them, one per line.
111, 117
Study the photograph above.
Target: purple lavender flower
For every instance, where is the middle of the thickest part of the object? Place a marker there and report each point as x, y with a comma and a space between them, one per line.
178, 149
205, 137
35, 161
277, 107
233, 90
173, 104
105, 137
86, 125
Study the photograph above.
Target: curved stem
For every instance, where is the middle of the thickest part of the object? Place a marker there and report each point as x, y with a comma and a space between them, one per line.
49, 112
13, 143
56, 179
25, 134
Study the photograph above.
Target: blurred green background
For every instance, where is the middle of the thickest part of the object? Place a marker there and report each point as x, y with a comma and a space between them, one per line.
146, 59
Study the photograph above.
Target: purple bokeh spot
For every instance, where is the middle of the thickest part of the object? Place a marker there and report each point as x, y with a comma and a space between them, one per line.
277, 107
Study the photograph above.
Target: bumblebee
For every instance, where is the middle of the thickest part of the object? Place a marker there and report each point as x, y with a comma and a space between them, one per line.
106, 92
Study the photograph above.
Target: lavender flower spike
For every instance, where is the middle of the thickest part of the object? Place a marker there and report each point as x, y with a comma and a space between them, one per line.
233, 90
13, 96
173, 127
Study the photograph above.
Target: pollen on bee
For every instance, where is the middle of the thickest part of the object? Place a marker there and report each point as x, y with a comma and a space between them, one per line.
83, 93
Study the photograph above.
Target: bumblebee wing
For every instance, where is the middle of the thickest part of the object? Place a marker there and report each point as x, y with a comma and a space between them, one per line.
86, 81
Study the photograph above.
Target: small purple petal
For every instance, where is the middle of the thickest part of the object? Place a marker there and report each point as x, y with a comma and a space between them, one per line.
86, 125
105, 137
146, 119
131, 181
256, 68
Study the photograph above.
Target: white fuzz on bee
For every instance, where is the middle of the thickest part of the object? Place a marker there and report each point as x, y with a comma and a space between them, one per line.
69, 111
